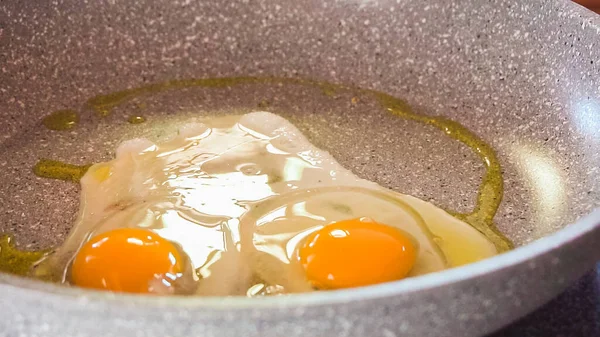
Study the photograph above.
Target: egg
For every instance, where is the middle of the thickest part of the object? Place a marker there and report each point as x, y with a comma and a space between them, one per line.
332, 255
126, 259
246, 205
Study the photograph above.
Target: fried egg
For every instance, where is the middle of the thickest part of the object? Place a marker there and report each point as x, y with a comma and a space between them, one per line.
246, 205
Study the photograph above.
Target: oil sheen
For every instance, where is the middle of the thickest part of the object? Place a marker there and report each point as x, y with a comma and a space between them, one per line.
61, 120
480, 218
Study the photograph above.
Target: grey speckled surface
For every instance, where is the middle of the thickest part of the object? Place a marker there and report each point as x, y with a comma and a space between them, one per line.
547, 121
525, 76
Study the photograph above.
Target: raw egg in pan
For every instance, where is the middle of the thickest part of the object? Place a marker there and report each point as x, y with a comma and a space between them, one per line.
246, 205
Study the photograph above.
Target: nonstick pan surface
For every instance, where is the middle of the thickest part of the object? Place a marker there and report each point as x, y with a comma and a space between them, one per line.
524, 77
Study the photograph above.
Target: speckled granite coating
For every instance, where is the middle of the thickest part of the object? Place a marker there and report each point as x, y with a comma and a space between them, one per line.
524, 75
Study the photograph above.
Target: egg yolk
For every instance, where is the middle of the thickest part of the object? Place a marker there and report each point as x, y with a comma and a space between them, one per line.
126, 260
356, 252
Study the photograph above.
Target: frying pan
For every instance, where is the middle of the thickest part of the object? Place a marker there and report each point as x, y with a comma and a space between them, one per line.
523, 76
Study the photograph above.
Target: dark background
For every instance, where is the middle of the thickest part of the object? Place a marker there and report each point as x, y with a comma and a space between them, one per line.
574, 313
591, 4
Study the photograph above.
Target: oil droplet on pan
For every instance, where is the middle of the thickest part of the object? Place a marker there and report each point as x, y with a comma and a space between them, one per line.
136, 120
61, 120
16, 261
54, 169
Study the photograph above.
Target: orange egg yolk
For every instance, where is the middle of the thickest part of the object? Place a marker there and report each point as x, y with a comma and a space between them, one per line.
356, 252
125, 260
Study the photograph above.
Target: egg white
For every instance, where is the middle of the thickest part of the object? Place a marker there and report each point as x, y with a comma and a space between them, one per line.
238, 194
